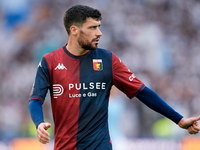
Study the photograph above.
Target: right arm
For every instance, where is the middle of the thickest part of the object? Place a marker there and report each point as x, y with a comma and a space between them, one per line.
37, 97
36, 112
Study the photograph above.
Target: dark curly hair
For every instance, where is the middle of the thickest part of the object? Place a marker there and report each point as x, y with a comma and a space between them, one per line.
78, 14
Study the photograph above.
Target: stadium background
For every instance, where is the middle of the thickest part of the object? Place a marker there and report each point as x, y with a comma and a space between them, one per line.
159, 40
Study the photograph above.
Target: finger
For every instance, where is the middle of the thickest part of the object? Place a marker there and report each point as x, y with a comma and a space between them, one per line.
43, 135
43, 138
47, 125
191, 130
43, 141
195, 118
195, 128
197, 123
42, 130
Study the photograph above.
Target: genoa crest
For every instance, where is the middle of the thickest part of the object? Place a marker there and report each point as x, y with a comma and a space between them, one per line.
97, 64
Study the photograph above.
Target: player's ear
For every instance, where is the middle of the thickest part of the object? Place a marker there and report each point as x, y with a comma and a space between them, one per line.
74, 30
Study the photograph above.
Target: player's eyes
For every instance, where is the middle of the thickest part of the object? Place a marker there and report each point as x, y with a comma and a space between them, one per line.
93, 27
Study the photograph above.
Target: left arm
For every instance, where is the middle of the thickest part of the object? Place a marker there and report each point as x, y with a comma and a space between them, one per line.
155, 102
128, 83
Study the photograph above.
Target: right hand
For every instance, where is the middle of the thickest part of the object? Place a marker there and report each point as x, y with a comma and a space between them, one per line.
42, 134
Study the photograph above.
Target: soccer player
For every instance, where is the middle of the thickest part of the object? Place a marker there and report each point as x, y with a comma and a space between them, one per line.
79, 77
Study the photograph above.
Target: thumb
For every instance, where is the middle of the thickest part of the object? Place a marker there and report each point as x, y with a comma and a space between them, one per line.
47, 125
193, 119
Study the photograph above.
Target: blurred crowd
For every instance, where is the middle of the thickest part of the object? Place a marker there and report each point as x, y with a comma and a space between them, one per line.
158, 40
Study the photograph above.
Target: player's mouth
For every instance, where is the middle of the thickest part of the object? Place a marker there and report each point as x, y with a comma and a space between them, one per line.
96, 40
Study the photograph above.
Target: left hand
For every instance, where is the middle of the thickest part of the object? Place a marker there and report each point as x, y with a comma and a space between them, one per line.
191, 124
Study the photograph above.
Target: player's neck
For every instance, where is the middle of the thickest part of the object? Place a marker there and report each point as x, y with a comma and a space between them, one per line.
75, 49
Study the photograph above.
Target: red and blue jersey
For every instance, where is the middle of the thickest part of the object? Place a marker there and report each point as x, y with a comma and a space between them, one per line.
80, 88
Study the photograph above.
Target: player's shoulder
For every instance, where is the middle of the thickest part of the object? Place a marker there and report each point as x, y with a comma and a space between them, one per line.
54, 53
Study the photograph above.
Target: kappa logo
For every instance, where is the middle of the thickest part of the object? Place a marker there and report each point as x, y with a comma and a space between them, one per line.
57, 90
60, 67
40, 64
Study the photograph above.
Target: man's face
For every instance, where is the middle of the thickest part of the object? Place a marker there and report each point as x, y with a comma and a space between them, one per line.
89, 34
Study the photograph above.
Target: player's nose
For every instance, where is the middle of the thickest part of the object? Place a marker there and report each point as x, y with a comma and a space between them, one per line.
99, 33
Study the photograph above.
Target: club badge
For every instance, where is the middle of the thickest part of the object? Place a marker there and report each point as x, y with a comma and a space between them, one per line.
97, 64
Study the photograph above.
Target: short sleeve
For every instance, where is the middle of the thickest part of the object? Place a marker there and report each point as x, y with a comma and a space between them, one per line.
124, 79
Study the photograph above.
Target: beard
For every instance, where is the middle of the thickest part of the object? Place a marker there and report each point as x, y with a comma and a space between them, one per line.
85, 44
